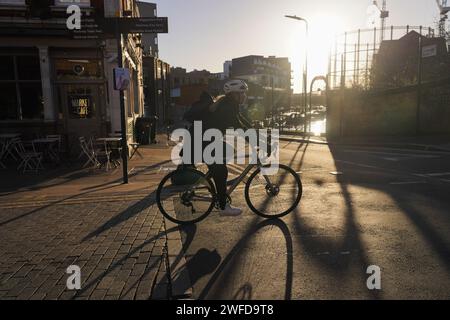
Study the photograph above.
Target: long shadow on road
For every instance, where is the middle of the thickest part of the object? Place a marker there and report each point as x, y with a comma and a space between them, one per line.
246, 291
434, 194
351, 239
229, 263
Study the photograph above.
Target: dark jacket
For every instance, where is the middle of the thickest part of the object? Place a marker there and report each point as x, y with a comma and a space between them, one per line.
197, 111
224, 114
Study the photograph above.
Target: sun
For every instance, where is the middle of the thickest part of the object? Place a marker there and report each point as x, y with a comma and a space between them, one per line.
323, 29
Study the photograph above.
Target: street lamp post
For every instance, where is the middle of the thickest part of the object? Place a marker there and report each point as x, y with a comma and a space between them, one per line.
305, 68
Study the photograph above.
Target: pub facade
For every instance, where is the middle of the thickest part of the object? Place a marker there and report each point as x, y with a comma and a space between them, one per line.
54, 83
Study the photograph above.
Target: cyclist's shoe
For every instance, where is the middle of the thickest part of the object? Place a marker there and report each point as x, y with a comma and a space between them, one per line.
230, 211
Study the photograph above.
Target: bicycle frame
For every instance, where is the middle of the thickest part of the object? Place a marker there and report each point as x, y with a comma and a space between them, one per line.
241, 177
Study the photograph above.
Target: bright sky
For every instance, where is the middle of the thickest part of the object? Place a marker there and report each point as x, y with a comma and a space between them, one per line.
205, 33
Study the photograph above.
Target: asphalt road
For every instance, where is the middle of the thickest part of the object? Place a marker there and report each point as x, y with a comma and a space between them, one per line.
360, 207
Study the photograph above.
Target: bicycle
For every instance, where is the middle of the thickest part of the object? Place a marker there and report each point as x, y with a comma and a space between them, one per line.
192, 200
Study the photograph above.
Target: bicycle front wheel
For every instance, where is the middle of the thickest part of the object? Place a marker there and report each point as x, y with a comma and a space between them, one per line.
185, 196
273, 196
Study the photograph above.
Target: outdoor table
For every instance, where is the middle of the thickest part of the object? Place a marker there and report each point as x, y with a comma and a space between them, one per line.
108, 144
46, 146
5, 142
109, 139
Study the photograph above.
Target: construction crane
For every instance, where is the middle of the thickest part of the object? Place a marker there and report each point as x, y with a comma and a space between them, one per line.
444, 9
384, 14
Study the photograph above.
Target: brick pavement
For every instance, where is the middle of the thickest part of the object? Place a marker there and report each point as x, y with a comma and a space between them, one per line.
113, 232
117, 244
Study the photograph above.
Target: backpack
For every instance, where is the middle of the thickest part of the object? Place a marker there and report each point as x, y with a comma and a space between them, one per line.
199, 109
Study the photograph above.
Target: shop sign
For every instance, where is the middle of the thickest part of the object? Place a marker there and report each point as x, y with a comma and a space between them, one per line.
80, 106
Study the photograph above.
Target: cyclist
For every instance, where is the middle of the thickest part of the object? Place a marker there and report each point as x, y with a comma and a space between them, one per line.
224, 114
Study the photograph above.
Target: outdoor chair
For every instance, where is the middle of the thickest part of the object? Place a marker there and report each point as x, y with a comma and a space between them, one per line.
59, 137
135, 150
30, 160
115, 135
116, 153
88, 152
2, 154
103, 155
88, 143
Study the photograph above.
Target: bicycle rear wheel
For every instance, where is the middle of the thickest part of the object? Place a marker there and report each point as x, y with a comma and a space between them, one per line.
276, 195
185, 196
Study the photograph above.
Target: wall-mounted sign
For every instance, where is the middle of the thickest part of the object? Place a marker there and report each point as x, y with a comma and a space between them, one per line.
80, 106
429, 51
78, 69
121, 78
135, 25
107, 28
66, 3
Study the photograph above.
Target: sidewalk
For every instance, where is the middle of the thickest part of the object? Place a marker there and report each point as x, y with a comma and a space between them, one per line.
426, 143
69, 216
70, 179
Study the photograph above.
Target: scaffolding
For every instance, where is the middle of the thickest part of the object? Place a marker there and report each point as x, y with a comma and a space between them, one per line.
352, 55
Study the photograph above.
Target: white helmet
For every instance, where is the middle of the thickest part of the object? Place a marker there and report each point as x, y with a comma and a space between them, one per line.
235, 86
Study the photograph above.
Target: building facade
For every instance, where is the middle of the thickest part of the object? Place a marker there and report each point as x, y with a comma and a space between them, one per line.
272, 74
398, 63
157, 90
149, 40
52, 83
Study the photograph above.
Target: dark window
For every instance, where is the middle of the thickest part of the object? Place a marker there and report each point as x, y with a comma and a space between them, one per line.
8, 98
31, 100
20, 87
7, 68
28, 68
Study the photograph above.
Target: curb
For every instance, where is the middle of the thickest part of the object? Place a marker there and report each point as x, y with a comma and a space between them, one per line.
304, 140
408, 146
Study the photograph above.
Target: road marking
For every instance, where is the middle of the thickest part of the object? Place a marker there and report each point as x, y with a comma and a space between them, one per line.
391, 159
327, 253
404, 155
359, 164
407, 182
439, 174
403, 150
336, 173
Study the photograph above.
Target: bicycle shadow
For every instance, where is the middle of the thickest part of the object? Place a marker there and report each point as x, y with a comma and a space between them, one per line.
202, 263
213, 290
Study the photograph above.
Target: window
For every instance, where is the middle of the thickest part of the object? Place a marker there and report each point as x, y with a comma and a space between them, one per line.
13, 2
80, 3
20, 87
127, 6
30, 97
8, 97
136, 93
7, 68
28, 68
